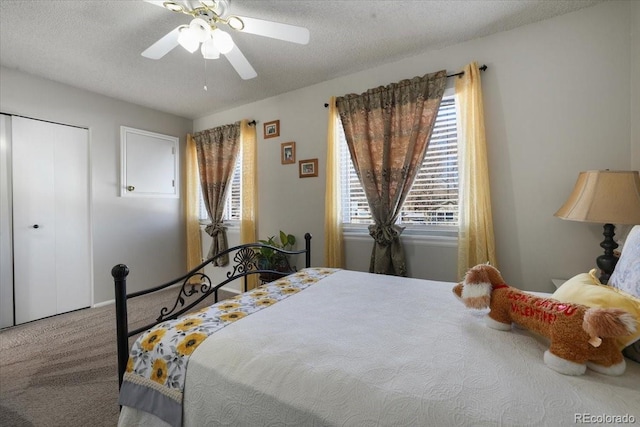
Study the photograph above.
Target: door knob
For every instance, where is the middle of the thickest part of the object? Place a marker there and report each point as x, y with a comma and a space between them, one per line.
36, 226
131, 188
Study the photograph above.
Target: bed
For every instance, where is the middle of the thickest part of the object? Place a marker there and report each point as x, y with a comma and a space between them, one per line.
335, 347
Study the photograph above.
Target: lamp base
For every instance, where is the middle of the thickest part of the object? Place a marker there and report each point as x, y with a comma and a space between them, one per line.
607, 262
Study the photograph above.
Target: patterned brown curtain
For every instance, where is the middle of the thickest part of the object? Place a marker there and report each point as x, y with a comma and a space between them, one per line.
217, 153
387, 131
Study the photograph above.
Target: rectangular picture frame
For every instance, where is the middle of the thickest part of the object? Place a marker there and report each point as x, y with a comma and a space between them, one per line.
308, 168
272, 129
288, 153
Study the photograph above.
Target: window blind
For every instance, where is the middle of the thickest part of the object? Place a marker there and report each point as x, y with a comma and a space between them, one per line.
433, 198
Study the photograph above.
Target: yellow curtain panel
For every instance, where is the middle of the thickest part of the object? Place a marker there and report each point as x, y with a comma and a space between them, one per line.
333, 242
476, 243
191, 202
249, 188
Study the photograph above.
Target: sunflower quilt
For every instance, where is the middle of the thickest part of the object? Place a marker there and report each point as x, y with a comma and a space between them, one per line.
156, 370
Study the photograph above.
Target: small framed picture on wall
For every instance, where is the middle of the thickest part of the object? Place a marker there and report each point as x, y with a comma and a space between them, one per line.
272, 129
288, 153
308, 168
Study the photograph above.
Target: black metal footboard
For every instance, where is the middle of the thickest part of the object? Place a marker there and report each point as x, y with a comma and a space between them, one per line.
245, 262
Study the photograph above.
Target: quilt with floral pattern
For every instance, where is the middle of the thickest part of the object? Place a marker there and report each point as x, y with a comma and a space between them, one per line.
156, 370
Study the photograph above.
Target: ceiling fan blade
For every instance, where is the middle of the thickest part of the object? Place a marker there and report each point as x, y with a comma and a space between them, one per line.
240, 63
275, 30
163, 46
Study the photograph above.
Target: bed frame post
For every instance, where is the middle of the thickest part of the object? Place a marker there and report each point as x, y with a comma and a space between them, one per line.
307, 248
119, 273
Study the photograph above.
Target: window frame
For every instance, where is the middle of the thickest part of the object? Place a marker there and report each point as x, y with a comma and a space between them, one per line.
445, 234
235, 177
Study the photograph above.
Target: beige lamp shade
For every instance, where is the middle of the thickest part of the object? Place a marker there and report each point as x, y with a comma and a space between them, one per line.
604, 197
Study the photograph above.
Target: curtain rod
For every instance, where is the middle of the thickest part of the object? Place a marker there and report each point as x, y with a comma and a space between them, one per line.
461, 73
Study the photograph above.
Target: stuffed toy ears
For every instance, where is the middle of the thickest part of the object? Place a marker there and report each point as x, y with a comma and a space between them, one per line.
477, 286
476, 296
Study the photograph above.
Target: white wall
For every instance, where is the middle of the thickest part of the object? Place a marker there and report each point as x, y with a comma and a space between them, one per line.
557, 101
144, 233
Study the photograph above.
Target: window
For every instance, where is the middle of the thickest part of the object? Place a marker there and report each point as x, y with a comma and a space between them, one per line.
432, 203
232, 206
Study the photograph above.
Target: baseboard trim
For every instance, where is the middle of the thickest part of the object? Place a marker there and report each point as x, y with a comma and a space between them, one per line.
104, 303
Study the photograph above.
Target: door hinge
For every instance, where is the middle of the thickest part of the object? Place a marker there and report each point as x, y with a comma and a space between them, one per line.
173, 183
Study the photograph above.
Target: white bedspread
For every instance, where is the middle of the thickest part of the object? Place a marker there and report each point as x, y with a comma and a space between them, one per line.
359, 349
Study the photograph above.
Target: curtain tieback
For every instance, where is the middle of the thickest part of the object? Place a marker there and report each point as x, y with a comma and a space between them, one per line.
214, 229
385, 234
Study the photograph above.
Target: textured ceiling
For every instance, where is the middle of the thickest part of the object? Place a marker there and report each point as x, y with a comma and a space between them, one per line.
96, 45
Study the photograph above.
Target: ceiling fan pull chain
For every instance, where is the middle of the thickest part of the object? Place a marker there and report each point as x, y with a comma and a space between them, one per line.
205, 75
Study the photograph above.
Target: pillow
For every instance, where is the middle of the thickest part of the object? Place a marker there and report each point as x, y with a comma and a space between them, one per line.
626, 275
586, 290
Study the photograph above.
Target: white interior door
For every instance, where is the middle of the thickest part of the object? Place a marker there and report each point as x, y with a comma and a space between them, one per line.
52, 259
149, 164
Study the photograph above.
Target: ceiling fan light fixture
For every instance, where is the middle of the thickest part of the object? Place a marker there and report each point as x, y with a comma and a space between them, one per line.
188, 40
200, 29
209, 50
222, 41
206, 16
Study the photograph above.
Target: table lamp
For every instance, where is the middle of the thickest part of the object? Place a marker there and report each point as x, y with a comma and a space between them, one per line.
606, 197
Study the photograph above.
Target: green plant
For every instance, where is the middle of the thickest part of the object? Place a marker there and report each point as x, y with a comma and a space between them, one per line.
271, 259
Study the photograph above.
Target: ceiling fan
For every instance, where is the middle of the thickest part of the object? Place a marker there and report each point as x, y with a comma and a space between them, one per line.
204, 32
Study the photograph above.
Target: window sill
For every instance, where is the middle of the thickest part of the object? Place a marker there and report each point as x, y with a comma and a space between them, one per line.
441, 237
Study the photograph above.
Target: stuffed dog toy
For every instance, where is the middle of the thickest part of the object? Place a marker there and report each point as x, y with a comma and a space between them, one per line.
580, 336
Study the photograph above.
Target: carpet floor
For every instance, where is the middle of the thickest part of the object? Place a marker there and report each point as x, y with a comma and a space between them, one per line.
62, 370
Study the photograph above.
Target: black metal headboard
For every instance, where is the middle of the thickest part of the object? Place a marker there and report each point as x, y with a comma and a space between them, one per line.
245, 263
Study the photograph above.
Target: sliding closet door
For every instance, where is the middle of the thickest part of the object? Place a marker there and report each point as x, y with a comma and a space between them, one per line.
6, 240
51, 219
